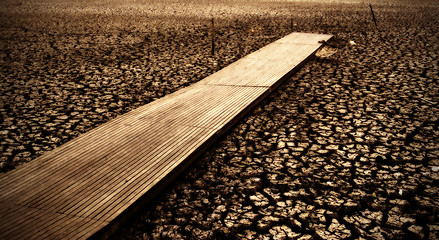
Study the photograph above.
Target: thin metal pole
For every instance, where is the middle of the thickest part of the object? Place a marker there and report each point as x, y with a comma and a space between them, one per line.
213, 38
373, 15
292, 24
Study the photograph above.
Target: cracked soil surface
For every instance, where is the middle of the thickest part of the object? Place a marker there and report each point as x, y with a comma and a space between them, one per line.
348, 148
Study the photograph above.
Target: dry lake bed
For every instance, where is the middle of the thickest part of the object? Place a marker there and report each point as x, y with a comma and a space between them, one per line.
348, 148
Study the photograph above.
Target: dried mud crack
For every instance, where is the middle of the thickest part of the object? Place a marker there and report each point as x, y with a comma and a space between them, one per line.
346, 149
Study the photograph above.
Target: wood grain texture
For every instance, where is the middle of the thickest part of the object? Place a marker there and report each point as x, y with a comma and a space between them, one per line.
81, 187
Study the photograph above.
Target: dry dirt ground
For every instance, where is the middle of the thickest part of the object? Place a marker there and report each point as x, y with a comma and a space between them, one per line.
346, 149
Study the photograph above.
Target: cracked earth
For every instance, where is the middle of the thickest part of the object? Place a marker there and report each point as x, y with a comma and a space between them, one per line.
345, 149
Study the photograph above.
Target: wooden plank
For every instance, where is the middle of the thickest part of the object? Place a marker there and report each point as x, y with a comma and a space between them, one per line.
198, 107
269, 68
39, 224
117, 164
139, 172
140, 185
84, 186
297, 38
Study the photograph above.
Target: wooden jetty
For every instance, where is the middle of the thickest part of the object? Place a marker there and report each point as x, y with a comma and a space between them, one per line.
88, 186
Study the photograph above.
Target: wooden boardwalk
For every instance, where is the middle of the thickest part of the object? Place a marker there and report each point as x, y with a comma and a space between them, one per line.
80, 189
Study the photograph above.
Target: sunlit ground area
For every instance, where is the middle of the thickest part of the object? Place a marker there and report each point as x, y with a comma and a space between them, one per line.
346, 149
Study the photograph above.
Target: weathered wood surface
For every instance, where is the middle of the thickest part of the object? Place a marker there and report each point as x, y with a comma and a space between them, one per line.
80, 188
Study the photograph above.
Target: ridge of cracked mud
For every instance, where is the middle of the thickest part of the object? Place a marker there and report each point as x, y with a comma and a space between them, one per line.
346, 149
